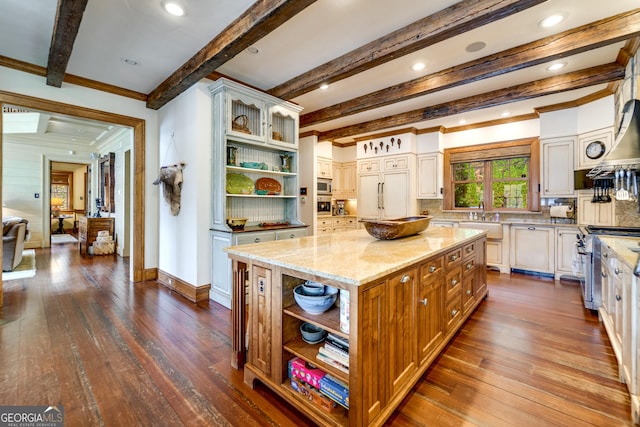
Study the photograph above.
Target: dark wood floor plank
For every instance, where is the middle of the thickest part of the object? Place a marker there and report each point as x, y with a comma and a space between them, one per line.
116, 353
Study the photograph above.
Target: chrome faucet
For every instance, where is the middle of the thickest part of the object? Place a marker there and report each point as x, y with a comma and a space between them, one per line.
481, 206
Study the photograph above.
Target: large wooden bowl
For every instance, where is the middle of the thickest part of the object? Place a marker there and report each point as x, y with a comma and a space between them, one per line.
396, 228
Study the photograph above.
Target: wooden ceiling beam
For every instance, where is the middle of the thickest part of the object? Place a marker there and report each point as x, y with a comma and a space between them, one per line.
591, 36
557, 84
256, 22
457, 19
65, 29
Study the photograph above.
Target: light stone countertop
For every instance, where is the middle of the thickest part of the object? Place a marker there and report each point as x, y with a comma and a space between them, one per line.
354, 257
622, 247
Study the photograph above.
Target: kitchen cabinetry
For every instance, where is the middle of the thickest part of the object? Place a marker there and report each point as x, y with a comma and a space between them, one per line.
254, 140
604, 136
389, 193
430, 180
328, 224
565, 250
620, 311
594, 213
533, 248
395, 334
345, 180
557, 167
324, 167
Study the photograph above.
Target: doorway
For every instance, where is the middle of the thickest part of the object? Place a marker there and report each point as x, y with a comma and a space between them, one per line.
137, 272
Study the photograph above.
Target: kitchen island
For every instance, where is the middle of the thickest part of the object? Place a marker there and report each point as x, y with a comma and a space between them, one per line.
406, 298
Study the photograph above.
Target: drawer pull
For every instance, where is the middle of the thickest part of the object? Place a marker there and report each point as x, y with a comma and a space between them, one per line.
432, 269
606, 255
405, 278
424, 302
291, 236
469, 266
618, 297
617, 271
454, 312
603, 274
454, 282
257, 240
453, 258
469, 249
469, 292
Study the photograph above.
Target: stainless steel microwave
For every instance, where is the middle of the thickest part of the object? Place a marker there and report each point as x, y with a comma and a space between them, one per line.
323, 186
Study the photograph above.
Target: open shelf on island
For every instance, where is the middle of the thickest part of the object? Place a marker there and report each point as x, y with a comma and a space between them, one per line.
308, 352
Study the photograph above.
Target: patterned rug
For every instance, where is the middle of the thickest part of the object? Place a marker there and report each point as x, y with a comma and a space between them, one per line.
63, 238
26, 268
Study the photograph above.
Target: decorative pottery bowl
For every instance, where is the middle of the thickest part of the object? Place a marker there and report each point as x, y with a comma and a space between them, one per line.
310, 288
396, 228
312, 334
315, 304
236, 223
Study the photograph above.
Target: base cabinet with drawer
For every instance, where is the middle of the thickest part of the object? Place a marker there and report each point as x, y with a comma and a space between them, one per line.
533, 248
221, 279
88, 229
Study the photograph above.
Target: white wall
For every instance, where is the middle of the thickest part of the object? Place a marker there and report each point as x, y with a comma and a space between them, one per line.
596, 115
185, 136
32, 85
504, 132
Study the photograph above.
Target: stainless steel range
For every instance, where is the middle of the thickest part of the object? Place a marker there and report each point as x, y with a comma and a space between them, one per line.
589, 250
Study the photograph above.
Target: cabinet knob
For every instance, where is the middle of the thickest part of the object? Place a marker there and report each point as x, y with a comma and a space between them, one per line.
453, 257
424, 302
606, 255
469, 266
257, 240
618, 297
291, 236
432, 269
454, 312
603, 274
469, 249
405, 278
617, 271
454, 282
469, 292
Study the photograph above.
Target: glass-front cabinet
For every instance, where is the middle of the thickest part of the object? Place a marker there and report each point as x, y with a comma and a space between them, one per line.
254, 174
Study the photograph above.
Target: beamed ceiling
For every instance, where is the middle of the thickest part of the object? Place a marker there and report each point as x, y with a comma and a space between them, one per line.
482, 58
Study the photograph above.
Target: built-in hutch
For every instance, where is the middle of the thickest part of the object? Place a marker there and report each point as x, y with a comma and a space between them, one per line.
254, 140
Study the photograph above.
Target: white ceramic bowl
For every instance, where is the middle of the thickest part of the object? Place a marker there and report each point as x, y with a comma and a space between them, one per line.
315, 304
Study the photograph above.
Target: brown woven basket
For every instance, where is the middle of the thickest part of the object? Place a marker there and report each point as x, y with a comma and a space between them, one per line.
240, 124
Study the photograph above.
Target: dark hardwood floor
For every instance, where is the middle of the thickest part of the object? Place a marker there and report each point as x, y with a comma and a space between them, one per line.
78, 334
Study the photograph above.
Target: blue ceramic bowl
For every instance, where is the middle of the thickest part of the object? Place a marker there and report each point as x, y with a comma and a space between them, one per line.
311, 333
310, 288
315, 304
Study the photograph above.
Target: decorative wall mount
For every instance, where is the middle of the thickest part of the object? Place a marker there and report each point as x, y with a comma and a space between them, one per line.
171, 179
383, 148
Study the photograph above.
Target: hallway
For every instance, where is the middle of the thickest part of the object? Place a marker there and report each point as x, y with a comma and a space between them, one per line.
112, 353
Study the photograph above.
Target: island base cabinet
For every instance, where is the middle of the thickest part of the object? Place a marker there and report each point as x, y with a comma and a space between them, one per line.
399, 324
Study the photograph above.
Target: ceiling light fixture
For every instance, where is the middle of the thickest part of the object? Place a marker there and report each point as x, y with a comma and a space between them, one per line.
476, 46
174, 8
506, 114
418, 66
556, 66
253, 50
324, 86
553, 20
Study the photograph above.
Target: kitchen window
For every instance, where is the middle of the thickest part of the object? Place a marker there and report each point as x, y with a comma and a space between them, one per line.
499, 176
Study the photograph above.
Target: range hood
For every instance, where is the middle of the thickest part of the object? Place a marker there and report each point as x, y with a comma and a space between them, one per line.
625, 153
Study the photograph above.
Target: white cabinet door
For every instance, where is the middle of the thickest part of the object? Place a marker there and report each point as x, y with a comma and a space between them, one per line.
349, 180
220, 290
395, 195
430, 176
325, 167
533, 248
369, 196
557, 167
291, 233
565, 250
594, 213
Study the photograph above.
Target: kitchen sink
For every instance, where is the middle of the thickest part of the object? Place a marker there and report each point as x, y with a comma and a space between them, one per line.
494, 229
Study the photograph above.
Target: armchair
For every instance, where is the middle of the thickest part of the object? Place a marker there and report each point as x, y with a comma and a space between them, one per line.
12, 245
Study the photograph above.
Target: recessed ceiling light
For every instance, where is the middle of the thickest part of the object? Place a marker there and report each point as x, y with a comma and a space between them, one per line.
418, 66
324, 86
506, 114
552, 20
556, 66
253, 50
174, 8
462, 121
476, 46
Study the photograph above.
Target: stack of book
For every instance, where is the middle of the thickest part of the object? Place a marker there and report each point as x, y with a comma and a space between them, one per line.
335, 352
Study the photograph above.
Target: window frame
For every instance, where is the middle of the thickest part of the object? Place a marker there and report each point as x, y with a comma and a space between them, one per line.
493, 151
